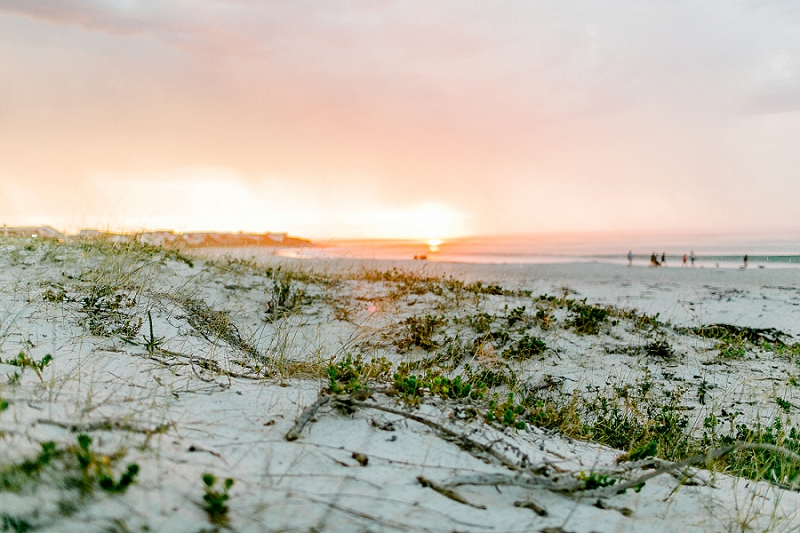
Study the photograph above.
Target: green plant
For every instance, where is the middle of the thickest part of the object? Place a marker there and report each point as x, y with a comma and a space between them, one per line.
543, 318
525, 348
784, 405
516, 315
351, 374
215, 500
660, 348
506, 412
23, 361
481, 322
108, 311
54, 295
75, 466
212, 324
412, 389
731, 351
594, 480
286, 296
152, 343
587, 319
15, 524
419, 331
644, 451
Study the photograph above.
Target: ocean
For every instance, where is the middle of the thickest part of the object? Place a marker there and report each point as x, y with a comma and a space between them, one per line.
711, 251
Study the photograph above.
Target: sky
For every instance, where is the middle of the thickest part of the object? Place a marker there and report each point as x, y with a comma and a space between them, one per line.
401, 119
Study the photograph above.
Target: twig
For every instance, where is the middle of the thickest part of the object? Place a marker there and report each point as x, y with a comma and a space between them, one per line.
105, 425
570, 484
306, 416
447, 493
464, 442
696, 459
554, 484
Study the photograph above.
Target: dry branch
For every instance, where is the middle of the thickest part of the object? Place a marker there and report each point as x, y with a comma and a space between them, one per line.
306, 416
447, 493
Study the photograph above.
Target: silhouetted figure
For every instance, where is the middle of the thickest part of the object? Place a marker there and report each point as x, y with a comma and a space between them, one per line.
630, 257
745, 260
692, 257
663, 258
654, 260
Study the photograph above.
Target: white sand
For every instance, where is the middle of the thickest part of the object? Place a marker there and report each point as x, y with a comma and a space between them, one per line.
235, 427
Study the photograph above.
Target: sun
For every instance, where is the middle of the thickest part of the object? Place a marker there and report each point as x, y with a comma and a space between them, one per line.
433, 245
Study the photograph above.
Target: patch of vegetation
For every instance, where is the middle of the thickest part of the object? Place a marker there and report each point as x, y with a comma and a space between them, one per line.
593, 480
215, 500
420, 331
75, 470
108, 311
412, 389
526, 347
212, 325
634, 418
739, 334
732, 350
418, 283
498, 374
587, 319
56, 294
543, 318
481, 322
785, 406
517, 316
286, 296
15, 524
76, 466
23, 361
506, 412
353, 374
660, 349
643, 452
479, 288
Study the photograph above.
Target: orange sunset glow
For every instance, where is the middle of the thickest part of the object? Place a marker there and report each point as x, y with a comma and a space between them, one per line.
399, 119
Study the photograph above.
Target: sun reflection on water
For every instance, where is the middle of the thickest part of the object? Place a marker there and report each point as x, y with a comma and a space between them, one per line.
433, 245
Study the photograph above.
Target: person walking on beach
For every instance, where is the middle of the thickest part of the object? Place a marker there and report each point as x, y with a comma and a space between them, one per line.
664, 258
684, 260
745, 260
630, 257
692, 257
654, 260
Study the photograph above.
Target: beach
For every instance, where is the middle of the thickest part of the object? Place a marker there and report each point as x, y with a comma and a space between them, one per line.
341, 394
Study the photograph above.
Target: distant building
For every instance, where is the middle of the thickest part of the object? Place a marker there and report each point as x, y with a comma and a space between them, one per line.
167, 237
44, 232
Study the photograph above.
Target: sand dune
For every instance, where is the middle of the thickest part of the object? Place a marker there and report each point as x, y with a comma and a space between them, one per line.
185, 366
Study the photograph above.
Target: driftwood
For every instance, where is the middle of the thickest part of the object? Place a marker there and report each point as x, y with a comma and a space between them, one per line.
306, 416
447, 493
571, 484
538, 478
105, 425
463, 442
696, 459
